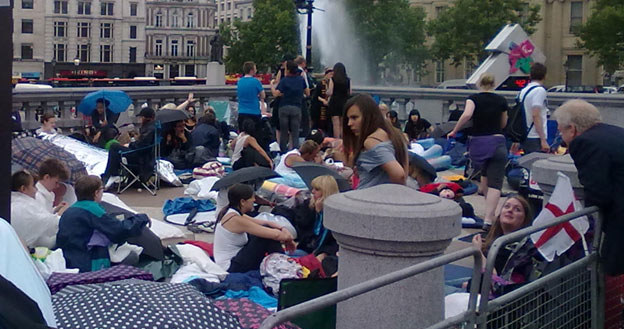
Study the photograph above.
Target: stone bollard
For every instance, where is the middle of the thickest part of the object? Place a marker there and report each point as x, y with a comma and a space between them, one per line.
545, 174
384, 229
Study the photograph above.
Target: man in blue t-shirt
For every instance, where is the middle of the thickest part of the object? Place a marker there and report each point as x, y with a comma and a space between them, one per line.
250, 95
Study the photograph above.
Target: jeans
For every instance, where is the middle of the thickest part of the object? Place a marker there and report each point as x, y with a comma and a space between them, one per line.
290, 118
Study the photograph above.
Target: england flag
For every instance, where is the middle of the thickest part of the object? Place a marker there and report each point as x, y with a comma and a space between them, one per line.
555, 240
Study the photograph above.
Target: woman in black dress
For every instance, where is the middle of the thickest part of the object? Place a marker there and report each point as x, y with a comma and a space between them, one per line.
339, 91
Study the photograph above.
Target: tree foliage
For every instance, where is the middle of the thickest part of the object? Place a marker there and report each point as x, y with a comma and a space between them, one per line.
391, 33
603, 33
271, 33
462, 31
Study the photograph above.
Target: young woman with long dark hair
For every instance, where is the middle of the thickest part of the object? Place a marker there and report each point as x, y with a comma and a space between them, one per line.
338, 91
241, 242
372, 146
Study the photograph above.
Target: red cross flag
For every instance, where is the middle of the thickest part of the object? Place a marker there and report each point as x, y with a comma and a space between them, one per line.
555, 240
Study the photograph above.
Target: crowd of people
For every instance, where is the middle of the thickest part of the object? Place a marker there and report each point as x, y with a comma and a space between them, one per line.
337, 127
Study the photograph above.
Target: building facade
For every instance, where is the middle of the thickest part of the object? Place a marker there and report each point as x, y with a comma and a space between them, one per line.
28, 39
178, 37
564, 60
230, 10
94, 38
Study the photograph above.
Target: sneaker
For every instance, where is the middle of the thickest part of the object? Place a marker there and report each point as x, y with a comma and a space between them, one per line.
111, 181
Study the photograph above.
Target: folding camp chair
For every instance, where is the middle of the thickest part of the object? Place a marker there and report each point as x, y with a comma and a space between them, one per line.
131, 173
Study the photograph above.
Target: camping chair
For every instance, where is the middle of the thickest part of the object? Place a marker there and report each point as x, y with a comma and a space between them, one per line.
133, 172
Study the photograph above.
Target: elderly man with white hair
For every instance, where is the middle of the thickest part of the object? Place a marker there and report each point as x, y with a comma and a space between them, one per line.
598, 152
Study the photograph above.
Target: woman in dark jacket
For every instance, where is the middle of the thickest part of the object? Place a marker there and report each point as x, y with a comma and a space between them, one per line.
176, 144
86, 231
417, 127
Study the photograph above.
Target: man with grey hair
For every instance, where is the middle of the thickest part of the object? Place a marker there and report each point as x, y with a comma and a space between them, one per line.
598, 152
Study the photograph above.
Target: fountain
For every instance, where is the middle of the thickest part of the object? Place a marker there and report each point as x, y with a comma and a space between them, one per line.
333, 36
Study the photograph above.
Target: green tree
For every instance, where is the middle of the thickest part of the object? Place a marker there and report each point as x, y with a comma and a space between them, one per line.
462, 31
391, 33
271, 33
603, 34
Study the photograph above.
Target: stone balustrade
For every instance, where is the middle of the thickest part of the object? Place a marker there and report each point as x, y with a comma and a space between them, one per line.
434, 104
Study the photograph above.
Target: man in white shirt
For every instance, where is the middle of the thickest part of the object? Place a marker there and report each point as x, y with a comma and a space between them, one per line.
536, 110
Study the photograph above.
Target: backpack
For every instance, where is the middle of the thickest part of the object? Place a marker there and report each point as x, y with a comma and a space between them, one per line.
516, 128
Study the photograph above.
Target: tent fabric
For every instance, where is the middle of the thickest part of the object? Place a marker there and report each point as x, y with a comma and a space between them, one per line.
18, 268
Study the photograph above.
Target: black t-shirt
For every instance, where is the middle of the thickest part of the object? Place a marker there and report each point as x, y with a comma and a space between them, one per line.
418, 130
489, 108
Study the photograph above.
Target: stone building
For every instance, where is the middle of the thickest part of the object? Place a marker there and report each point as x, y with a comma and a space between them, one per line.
553, 35
93, 38
28, 39
229, 10
178, 35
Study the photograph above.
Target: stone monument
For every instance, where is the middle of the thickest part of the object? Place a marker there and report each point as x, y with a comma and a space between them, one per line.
384, 229
215, 72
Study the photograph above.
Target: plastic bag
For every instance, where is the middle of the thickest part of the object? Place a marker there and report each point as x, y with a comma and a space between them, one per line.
281, 220
276, 267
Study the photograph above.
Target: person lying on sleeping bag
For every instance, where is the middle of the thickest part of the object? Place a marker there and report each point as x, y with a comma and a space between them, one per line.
86, 231
452, 191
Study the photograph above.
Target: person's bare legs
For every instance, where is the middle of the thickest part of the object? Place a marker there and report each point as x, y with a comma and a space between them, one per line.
491, 202
483, 188
337, 124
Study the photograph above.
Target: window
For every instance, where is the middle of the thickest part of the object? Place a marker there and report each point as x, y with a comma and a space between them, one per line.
84, 53
132, 58
133, 32
189, 70
439, 78
174, 71
228, 20
222, 6
60, 29
133, 9
575, 70
190, 20
159, 48
158, 19
106, 8
27, 4
106, 30
248, 13
60, 52
84, 30
439, 10
27, 51
229, 5
106, 53
175, 20
190, 48
241, 11
60, 7
576, 15
174, 47
27, 26
84, 8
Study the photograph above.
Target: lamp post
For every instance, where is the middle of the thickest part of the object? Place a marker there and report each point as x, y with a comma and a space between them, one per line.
566, 67
307, 7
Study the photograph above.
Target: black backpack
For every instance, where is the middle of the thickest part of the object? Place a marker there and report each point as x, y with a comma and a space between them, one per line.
516, 129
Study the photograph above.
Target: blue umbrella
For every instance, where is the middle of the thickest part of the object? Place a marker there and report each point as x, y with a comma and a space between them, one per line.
117, 101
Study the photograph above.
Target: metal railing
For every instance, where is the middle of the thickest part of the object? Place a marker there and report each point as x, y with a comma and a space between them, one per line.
569, 297
384, 280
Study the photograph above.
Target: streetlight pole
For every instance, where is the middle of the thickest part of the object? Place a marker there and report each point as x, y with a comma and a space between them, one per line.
566, 67
307, 7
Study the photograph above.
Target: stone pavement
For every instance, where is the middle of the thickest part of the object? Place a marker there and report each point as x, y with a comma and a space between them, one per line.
152, 206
